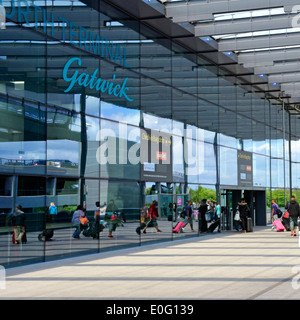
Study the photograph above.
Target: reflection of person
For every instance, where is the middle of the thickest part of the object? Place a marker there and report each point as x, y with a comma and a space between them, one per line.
52, 208
111, 209
153, 215
111, 206
18, 222
103, 209
189, 214
144, 213
97, 211
201, 220
76, 221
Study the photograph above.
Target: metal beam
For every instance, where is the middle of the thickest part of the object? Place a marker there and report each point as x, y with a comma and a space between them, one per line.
285, 77
244, 25
278, 68
200, 10
260, 42
267, 58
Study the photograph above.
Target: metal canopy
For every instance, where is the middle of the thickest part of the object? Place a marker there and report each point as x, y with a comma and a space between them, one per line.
263, 35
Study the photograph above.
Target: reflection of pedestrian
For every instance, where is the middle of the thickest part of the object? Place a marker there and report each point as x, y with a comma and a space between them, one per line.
103, 209
97, 211
153, 215
76, 221
144, 213
18, 222
52, 210
189, 214
110, 210
201, 219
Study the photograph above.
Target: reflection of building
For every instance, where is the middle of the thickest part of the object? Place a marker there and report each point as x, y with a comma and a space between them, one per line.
135, 68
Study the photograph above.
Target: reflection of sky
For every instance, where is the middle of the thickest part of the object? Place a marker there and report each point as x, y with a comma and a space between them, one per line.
260, 170
113, 112
228, 166
36, 150
28, 150
63, 150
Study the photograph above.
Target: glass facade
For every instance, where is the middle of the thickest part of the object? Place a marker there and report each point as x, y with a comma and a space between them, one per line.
83, 88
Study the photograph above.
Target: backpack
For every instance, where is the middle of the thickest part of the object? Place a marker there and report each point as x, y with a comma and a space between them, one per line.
279, 213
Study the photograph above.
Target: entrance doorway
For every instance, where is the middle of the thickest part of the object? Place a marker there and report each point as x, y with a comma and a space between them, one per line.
170, 201
229, 201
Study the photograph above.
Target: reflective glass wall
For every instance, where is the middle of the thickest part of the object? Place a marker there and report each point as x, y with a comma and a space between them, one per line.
83, 89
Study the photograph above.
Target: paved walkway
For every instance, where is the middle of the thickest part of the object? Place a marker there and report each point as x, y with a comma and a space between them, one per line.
260, 265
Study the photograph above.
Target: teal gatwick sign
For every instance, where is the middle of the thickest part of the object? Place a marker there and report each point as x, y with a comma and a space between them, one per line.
93, 82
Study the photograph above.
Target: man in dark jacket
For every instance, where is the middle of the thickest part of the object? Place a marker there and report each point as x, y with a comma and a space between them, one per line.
244, 213
294, 212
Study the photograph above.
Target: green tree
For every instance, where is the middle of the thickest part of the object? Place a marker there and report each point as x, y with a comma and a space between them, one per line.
202, 193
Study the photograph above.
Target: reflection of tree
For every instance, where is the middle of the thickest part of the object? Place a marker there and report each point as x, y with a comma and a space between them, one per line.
203, 193
278, 195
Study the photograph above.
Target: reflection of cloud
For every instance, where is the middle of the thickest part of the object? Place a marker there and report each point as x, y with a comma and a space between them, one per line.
63, 150
113, 112
29, 150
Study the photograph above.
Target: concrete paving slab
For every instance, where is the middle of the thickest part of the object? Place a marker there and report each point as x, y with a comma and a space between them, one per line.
261, 265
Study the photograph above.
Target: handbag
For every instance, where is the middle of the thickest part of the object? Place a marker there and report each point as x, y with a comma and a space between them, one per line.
286, 215
237, 216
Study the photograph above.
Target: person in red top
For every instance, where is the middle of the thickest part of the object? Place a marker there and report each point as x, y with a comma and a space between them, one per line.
152, 215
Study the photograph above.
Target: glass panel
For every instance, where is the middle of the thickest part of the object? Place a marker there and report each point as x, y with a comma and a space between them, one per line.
261, 170
123, 197
228, 166
64, 147
118, 154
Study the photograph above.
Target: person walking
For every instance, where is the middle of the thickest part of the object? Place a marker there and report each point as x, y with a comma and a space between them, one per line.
18, 223
218, 215
244, 214
189, 214
144, 213
152, 217
201, 220
294, 212
78, 213
274, 215
111, 210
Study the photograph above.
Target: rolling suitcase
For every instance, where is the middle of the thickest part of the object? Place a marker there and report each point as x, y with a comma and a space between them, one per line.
142, 226
46, 235
279, 226
249, 225
213, 226
179, 227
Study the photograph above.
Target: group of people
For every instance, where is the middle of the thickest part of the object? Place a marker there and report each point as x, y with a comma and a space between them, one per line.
208, 211
291, 215
149, 217
109, 213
